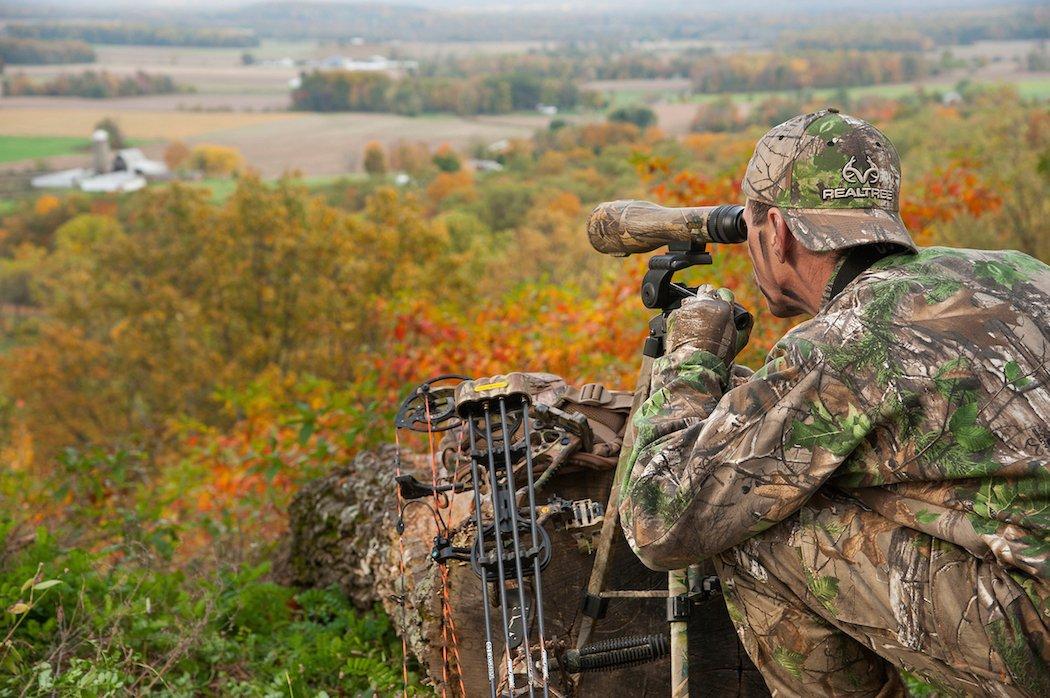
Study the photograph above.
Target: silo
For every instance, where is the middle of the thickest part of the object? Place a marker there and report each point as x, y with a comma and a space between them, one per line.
100, 151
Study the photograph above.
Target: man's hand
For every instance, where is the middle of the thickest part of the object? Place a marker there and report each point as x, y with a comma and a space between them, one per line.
707, 321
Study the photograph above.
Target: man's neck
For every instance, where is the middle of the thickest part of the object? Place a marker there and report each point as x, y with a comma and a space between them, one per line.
814, 280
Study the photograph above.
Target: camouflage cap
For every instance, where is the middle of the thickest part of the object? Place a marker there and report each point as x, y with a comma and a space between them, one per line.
835, 177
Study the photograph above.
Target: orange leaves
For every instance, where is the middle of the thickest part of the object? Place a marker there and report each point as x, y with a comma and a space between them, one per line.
601, 135
944, 194
448, 183
45, 205
693, 189
564, 204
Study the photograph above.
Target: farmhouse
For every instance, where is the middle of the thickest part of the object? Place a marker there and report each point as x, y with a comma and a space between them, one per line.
128, 170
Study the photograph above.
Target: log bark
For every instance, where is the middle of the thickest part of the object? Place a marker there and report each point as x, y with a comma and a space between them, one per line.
342, 529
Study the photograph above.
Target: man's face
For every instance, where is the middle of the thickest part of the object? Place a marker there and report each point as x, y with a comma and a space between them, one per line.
769, 270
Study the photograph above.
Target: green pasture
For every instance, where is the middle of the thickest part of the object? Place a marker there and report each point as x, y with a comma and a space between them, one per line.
1035, 88
13, 148
222, 188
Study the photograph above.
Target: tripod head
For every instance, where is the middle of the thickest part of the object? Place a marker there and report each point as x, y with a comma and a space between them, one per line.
660, 292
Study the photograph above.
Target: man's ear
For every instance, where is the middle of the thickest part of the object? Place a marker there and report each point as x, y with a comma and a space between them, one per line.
782, 238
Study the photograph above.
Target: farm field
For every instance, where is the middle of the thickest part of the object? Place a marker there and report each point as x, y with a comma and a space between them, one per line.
205, 70
332, 144
14, 148
246, 106
272, 142
76, 118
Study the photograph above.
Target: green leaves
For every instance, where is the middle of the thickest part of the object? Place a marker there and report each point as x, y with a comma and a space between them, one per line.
968, 434
135, 623
825, 589
999, 272
926, 517
837, 435
43, 586
1014, 375
791, 661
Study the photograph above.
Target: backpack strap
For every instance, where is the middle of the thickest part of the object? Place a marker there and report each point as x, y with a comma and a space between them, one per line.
597, 395
606, 412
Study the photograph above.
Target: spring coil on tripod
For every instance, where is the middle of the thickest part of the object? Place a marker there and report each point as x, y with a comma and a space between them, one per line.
616, 653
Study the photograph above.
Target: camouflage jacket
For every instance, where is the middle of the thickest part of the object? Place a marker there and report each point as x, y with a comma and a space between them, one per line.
921, 390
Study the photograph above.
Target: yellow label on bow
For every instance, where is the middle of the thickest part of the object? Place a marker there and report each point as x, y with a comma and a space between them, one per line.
491, 386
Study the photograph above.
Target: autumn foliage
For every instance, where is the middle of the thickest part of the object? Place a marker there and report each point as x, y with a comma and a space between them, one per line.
175, 368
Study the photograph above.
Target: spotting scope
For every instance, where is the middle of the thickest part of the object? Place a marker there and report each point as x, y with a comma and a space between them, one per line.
622, 228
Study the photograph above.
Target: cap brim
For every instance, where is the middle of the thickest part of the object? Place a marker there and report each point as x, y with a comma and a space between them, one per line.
824, 229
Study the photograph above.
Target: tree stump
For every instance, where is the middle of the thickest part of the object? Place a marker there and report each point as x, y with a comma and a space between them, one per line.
343, 533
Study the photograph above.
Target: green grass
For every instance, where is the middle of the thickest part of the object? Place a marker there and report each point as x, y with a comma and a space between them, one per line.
14, 148
1036, 88
222, 188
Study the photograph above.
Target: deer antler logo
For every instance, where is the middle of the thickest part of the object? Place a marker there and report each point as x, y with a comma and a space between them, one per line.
853, 175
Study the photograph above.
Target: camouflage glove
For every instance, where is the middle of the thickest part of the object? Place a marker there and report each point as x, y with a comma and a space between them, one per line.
707, 322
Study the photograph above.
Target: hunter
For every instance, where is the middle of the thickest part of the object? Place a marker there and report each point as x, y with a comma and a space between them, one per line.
876, 497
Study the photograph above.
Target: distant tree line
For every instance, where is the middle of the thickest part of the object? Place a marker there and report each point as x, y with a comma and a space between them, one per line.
340, 90
711, 71
597, 27
571, 63
987, 24
925, 32
747, 72
860, 37
140, 34
93, 84
29, 51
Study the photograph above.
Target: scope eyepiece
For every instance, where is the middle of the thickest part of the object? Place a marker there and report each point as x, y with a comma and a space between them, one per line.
726, 224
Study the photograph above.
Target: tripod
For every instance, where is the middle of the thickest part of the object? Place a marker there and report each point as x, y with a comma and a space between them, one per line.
684, 587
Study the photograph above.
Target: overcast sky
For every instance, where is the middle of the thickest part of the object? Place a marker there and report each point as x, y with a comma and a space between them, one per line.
554, 5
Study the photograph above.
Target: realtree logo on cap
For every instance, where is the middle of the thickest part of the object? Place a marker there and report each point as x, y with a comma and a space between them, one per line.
852, 175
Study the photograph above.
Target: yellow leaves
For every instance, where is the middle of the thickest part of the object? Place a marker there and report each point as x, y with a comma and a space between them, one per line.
553, 162
36, 586
82, 232
216, 160
19, 608
374, 158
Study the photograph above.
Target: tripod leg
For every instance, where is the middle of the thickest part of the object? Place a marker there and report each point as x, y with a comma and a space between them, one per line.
609, 524
678, 585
